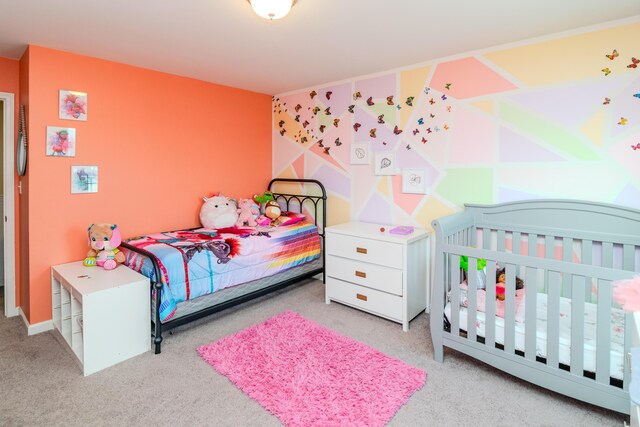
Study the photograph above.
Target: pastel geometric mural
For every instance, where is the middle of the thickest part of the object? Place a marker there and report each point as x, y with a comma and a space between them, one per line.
558, 118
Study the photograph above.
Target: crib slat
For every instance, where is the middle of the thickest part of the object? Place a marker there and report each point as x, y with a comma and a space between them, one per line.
486, 238
587, 252
490, 305
577, 325
607, 254
567, 255
516, 242
628, 322
549, 246
603, 332
509, 309
454, 271
628, 258
553, 318
501, 240
530, 286
472, 293
533, 245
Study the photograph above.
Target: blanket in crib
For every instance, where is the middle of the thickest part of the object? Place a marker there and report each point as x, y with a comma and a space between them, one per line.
198, 262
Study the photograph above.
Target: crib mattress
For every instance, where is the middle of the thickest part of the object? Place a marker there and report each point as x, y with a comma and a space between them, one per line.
590, 323
199, 262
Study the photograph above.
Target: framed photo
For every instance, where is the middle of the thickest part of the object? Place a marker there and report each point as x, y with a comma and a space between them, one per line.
73, 105
385, 163
413, 181
84, 179
61, 141
360, 154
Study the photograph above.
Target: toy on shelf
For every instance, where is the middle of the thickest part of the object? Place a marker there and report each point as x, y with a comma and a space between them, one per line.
104, 240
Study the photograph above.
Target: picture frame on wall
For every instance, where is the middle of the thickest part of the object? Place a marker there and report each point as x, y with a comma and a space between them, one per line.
360, 154
84, 179
413, 181
385, 163
61, 141
72, 105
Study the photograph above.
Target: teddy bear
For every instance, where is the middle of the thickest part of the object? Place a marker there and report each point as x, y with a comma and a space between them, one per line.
104, 240
246, 211
218, 212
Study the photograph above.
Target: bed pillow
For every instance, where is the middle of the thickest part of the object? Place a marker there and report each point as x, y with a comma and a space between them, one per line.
289, 218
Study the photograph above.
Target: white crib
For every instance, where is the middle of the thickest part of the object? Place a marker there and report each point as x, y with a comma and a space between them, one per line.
573, 338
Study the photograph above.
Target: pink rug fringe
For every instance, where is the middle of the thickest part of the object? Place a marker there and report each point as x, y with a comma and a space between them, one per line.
308, 375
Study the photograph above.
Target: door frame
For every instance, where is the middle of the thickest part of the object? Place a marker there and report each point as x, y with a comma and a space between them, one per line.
8, 118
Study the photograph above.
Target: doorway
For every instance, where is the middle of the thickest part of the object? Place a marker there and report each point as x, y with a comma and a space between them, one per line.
7, 110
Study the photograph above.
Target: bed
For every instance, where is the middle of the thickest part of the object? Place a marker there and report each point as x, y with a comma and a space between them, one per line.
197, 272
562, 330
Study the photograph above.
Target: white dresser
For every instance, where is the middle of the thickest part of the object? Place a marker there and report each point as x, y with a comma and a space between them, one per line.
103, 315
382, 273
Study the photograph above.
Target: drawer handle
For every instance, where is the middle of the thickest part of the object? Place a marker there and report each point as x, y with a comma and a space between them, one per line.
361, 250
362, 297
361, 274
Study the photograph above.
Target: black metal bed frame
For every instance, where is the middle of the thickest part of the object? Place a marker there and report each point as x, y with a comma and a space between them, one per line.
158, 327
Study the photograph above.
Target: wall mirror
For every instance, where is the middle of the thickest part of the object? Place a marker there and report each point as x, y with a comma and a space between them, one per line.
21, 155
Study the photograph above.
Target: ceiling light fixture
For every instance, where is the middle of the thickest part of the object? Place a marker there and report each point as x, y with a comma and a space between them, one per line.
272, 9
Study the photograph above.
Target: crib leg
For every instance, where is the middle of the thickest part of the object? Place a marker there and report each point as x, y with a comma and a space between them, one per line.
438, 353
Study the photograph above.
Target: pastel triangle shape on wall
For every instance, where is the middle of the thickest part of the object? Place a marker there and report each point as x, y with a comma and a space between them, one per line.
433, 208
326, 157
383, 186
405, 201
518, 148
487, 106
594, 127
285, 151
412, 83
298, 166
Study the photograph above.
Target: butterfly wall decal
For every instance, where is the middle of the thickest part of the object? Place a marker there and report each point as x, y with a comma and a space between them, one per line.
424, 140
303, 139
370, 101
421, 121
305, 124
606, 71
437, 129
372, 133
446, 127
320, 143
337, 142
396, 130
312, 94
326, 150
350, 108
282, 132
444, 97
356, 96
623, 121
384, 142
356, 126
431, 101
428, 130
328, 94
634, 63
408, 147
336, 122
607, 101
426, 90
316, 110
399, 107
409, 101
381, 118
447, 86
636, 147
297, 119
281, 123
297, 107
327, 111
614, 54
637, 95
416, 131
433, 116
390, 100
449, 108
322, 127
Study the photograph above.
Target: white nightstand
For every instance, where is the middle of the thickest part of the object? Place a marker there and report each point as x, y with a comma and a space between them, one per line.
378, 272
103, 315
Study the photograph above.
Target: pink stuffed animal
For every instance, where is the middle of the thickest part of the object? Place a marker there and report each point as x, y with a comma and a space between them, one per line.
246, 211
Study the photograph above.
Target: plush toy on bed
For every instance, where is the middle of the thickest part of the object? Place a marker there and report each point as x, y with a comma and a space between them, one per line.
104, 240
246, 213
500, 283
218, 212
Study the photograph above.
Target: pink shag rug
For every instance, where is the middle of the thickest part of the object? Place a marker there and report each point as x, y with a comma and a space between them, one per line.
308, 375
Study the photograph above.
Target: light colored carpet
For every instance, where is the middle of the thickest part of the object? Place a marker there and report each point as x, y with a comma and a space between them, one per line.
41, 384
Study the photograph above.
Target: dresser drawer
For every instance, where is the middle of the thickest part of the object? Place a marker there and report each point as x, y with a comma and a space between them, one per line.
370, 300
367, 250
362, 273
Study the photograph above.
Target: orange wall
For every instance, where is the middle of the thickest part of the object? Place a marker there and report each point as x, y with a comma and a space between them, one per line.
9, 82
160, 142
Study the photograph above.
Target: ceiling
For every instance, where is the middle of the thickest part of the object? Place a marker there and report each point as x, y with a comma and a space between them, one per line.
223, 41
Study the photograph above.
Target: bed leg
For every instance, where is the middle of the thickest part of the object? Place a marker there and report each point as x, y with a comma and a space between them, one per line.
157, 342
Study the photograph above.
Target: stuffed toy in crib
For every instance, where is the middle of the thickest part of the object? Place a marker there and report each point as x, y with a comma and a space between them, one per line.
104, 240
500, 283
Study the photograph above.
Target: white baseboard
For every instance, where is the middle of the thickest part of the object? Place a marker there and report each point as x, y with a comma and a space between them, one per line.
38, 327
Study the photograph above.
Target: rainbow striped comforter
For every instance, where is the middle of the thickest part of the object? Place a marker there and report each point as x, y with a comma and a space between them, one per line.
202, 261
